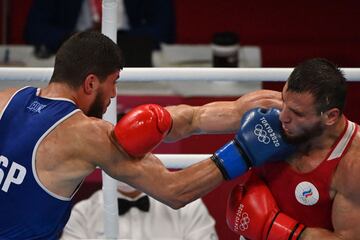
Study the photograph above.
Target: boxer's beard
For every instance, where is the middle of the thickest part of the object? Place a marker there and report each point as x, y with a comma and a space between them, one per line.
96, 108
308, 134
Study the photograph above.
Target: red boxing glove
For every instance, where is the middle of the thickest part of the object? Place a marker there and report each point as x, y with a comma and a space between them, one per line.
142, 129
253, 213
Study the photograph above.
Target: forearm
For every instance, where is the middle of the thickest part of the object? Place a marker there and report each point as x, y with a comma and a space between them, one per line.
183, 120
196, 181
212, 118
218, 117
176, 188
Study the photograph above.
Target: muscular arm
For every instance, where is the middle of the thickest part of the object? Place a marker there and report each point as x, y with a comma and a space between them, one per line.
148, 174
175, 189
218, 117
346, 205
5, 96
345, 215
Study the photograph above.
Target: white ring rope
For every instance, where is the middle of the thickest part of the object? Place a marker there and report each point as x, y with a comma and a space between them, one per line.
24, 75
178, 161
11, 75
173, 74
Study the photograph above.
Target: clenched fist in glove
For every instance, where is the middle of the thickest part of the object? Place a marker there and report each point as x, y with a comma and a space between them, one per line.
258, 140
142, 129
253, 213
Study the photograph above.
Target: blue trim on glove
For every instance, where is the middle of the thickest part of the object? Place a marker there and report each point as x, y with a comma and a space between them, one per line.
231, 160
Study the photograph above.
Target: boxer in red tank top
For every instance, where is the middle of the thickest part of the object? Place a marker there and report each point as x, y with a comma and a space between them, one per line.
314, 193
308, 197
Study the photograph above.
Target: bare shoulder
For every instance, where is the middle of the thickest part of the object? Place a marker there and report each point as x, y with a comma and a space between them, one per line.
346, 182
71, 151
81, 139
85, 136
93, 144
86, 129
86, 124
347, 175
5, 95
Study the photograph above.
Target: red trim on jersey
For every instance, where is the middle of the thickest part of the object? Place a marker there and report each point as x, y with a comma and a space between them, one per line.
350, 141
283, 180
338, 140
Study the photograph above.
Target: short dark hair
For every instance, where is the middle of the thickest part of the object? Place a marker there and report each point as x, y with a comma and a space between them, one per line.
85, 53
321, 78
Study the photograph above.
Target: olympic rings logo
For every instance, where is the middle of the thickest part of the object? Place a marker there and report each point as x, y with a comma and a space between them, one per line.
261, 134
244, 222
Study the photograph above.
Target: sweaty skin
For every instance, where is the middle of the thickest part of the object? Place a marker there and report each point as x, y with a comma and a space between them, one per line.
218, 117
297, 116
73, 149
298, 110
78, 145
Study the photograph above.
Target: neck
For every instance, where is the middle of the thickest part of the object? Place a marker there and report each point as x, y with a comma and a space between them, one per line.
61, 90
58, 90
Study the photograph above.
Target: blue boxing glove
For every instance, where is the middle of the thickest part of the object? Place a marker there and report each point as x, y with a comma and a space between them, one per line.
258, 140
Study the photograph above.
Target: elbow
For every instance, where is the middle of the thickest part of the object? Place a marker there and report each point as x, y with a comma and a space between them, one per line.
177, 198
175, 193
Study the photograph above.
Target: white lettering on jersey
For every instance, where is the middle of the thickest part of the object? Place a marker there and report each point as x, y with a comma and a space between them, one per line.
15, 175
4, 162
36, 107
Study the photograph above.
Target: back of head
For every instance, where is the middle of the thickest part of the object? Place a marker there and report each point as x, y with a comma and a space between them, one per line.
86, 53
323, 80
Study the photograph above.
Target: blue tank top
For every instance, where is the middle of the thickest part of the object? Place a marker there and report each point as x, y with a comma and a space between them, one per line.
27, 209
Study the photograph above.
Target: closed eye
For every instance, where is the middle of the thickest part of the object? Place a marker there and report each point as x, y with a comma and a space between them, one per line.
297, 113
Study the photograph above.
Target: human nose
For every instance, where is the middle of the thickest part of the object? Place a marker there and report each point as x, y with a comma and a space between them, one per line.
284, 115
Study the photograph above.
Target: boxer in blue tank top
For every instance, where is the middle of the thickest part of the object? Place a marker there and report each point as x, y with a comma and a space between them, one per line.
28, 118
48, 137
48, 147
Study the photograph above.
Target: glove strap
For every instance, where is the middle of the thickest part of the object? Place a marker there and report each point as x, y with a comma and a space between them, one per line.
217, 161
246, 158
297, 232
231, 160
285, 228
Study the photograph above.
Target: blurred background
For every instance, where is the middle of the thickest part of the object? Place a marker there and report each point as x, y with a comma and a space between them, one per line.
191, 33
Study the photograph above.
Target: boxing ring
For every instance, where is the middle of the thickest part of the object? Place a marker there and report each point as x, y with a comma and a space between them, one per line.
27, 76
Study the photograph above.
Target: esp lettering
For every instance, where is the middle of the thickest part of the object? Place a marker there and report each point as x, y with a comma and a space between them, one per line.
15, 175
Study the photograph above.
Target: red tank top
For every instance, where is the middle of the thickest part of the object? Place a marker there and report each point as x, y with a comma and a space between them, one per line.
305, 196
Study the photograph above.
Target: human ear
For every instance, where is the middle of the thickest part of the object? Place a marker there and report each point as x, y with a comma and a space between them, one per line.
331, 116
90, 84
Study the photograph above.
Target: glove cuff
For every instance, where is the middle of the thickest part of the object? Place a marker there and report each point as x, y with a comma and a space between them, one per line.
285, 228
231, 160
217, 162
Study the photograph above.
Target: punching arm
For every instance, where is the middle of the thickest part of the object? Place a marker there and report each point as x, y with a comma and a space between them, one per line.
259, 140
218, 117
142, 129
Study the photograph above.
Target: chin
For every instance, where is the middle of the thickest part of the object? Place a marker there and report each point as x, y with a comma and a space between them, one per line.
287, 133
292, 138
